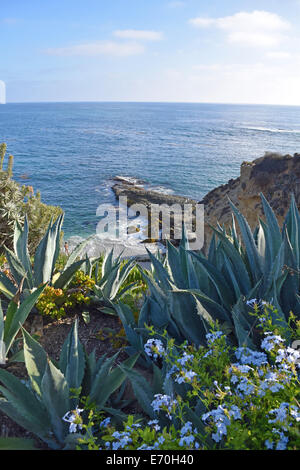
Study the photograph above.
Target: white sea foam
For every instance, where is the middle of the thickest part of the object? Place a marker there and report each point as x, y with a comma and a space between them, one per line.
273, 130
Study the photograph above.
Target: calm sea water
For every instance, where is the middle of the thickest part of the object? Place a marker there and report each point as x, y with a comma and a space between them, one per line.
71, 151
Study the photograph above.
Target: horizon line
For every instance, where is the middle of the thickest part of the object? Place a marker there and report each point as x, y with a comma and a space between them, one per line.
152, 102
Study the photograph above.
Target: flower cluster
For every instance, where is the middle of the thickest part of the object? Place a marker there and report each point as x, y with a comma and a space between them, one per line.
74, 419
221, 419
164, 403
154, 348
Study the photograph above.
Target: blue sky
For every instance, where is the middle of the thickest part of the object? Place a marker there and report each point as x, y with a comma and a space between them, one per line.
151, 50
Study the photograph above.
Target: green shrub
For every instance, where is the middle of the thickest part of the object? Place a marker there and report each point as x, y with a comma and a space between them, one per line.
43, 403
16, 201
214, 397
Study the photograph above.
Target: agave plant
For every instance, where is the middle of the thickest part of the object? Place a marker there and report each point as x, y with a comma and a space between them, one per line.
190, 291
43, 269
39, 405
10, 325
115, 272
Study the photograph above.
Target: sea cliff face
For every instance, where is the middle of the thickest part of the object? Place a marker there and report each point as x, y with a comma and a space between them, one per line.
274, 175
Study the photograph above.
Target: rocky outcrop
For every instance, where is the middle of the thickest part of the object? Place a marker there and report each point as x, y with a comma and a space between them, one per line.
274, 175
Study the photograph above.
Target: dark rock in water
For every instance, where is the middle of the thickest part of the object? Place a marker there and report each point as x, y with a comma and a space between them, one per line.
128, 180
139, 195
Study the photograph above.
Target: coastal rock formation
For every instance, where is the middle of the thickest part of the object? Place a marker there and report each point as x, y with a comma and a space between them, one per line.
274, 175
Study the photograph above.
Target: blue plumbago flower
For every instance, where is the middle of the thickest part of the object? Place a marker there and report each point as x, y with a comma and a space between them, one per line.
235, 412
245, 386
105, 423
123, 440
186, 428
288, 355
155, 424
185, 358
280, 413
221, 420
154, 348
285, 411
187, 440
253, 302
269, 343
282, 443
247, 356
212, 337
269, 444
270, 382
163, 402
161, 440
71, 417
185, 376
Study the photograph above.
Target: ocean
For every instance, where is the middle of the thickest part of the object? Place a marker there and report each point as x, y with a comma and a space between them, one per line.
71, 151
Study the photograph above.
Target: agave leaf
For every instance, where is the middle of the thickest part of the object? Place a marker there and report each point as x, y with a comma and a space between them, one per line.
237, 262
217, 279
274, 239
110, 382
22, 405
77, 251
72, 360
211, 306
7, 287
66, 276
55, 395
35, 361
10, 313
143, 391
20, 316
21, 249
15, 266
2, 344
47, 252
252, 252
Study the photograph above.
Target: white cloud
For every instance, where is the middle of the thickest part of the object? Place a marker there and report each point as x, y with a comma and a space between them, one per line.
279, 55
259, 28
111, 48
140, 35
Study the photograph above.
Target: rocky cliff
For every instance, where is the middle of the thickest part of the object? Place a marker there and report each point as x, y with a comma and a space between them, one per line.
274, 175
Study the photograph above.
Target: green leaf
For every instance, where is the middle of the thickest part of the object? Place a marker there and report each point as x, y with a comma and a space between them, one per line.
35, 361
55, 395
142, 390
20, 316
72, 360
111, 382
66, 276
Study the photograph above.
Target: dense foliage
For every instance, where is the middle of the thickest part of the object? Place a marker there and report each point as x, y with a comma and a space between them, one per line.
211, 343
16, 201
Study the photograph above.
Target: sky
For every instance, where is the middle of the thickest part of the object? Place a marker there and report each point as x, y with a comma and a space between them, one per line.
217, 51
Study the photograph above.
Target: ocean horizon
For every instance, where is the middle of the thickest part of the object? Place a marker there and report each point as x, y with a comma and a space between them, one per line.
71, 151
